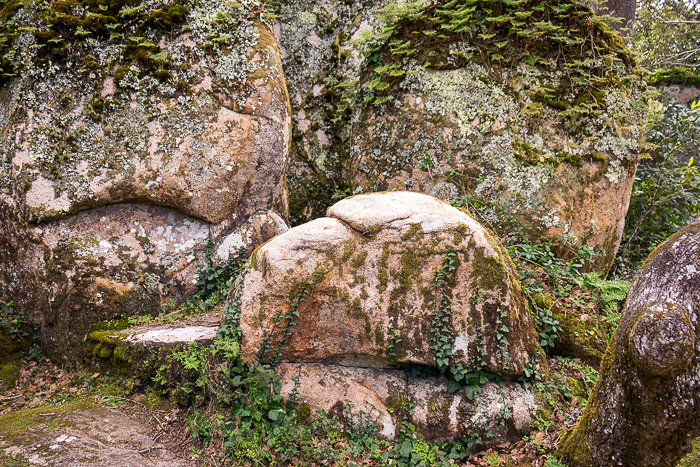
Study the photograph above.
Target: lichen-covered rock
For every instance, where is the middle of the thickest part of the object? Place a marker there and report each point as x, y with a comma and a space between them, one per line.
501, 412
645, 408
568, 180
322, 57
133, 135
396, 101
387, 279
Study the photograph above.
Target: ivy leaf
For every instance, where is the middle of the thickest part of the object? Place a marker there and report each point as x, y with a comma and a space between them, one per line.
472, 391
406, 449
273, 415
453, 386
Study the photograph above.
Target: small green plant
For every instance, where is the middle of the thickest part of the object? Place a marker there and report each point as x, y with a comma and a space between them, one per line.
494, 460
394, 340
113, 400
536, 443
215, 279
611, 296
559, 278
588, 375
553, 462
34, 354
142, 320
13, 318
201, 427
426, 162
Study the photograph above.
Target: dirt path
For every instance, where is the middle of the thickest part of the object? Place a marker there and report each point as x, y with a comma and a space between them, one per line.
84, 432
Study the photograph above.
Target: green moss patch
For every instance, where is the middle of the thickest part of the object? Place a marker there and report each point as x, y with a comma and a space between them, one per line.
9, 373
674, 75
16, 424
547, 34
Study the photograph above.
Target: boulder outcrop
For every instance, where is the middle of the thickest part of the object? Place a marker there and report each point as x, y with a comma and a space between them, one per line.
132, 139
645, 407
390, 280
387, 279
499, 413
530, 138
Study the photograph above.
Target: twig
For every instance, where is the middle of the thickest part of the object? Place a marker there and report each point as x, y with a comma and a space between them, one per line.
679, 22
162, 427
12, 397
153, 443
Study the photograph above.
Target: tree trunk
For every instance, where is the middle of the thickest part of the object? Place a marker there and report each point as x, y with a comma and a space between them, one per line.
645, 409
623, 9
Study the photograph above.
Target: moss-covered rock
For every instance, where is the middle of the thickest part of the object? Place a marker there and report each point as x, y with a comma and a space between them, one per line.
644, 409
387, 279
531, 111
133, 135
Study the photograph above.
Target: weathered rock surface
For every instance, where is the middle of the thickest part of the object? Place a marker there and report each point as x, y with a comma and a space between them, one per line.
175, 335
81, 434
556, 158
120, 164
359, 288
500, 412
321, 48
646, 405
457, 132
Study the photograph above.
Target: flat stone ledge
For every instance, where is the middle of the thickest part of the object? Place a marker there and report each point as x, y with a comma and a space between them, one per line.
180, 335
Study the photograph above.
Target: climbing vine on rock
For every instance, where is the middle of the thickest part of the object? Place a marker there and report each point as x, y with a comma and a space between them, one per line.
443, 338
442, 334
274, 345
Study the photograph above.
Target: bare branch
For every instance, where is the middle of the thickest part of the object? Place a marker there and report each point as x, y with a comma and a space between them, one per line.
679, 22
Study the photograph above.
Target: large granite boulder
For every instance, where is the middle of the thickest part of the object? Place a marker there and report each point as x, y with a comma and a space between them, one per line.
380, 282
646, 405
133, 137
505, 118
390, 280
